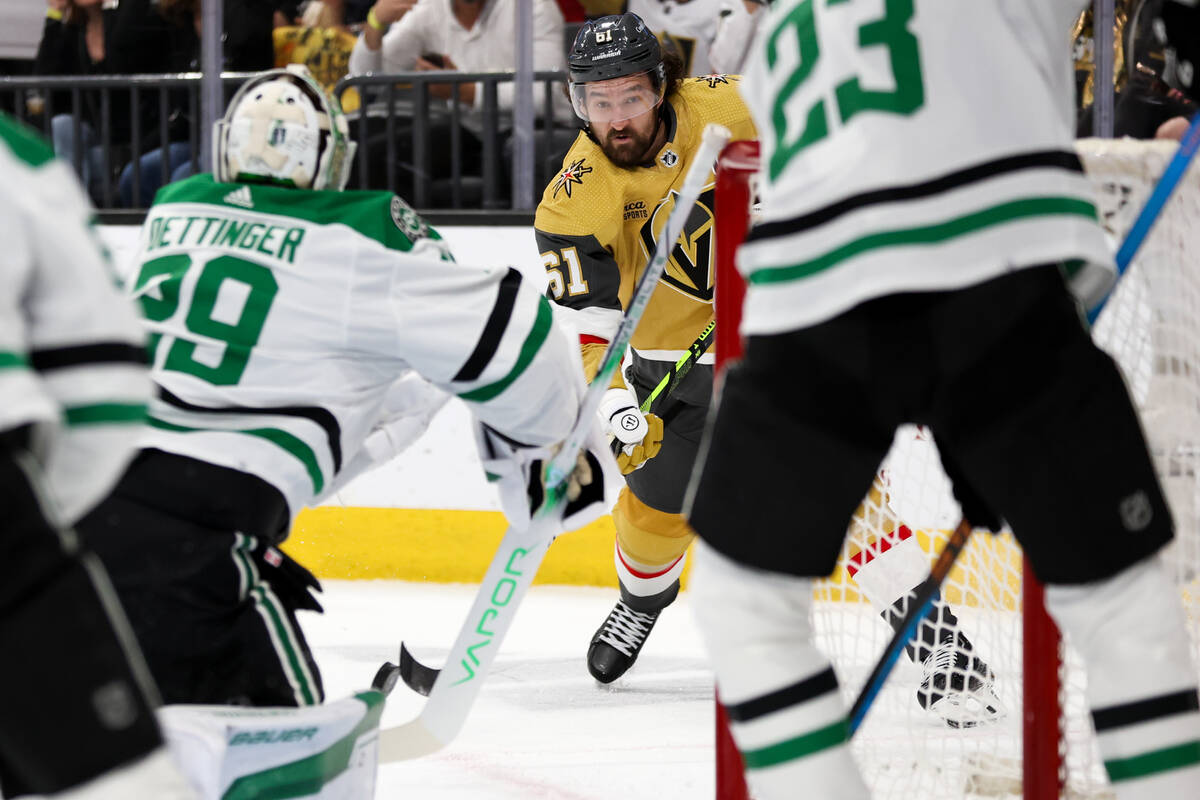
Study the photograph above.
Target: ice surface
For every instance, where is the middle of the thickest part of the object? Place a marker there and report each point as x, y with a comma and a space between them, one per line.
541, 728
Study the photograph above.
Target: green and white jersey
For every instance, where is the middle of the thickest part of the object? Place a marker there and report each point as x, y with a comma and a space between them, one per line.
71, 351
279, 318
912, 145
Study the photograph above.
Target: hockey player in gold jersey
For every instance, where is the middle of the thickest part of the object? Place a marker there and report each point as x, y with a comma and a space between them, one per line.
596, 229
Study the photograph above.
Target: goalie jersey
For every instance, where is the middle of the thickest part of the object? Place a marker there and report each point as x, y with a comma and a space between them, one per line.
280, 318
597, 226
912, 145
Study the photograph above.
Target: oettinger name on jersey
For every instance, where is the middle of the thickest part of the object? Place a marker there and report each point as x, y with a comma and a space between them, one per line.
275, 241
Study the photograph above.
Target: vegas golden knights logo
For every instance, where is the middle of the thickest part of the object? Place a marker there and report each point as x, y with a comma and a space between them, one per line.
690, 265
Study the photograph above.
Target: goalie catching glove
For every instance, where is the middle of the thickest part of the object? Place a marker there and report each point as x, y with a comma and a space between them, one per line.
518, 473
640, 435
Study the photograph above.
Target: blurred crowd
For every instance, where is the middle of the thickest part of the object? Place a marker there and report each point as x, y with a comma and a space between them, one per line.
124, 153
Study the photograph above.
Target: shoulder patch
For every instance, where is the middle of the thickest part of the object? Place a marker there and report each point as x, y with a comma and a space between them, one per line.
714, 81
24, 142
407, 220
570, 176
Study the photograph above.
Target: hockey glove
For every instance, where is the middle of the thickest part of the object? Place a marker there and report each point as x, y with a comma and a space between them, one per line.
1179, 29
518, 474
641, 435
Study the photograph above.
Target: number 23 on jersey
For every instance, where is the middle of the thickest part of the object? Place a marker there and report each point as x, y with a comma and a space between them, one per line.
793, 50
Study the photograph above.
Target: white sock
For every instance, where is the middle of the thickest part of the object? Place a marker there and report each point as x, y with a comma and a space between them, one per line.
787, 714
1131, 633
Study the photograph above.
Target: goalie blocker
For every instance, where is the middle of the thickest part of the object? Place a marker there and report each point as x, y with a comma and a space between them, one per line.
1022, 457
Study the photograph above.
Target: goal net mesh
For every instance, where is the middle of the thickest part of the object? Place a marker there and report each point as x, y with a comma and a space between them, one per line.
918, 741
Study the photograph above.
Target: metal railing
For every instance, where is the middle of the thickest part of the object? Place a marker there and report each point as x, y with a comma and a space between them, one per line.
441, 173
437, 154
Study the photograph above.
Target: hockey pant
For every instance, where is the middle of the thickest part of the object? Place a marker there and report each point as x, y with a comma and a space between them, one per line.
214, 608
75, 695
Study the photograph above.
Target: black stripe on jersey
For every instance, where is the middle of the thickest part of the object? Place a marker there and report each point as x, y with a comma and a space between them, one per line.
493, 331
321, 416
819, 684
1151, 708
80, 355
1056, 159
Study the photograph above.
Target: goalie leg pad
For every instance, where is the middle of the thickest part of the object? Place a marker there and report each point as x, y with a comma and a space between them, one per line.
325, 752
1131, 633
781, 695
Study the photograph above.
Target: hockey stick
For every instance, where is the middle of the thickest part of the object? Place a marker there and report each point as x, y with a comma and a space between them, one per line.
676, 374
1150, 212
418, 676
521, 550
925, 592
918, 607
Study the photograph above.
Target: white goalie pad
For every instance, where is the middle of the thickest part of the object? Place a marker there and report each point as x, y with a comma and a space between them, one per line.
325, 752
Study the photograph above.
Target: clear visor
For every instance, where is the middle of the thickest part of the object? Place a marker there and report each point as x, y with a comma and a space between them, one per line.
618, 98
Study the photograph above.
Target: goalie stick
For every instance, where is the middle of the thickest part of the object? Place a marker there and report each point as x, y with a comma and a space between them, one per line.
418, 676
919, 607
521, 550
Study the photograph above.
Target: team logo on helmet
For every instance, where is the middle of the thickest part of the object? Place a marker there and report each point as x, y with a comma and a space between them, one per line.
570, 176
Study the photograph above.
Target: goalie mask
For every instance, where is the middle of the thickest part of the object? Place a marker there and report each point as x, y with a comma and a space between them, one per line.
282, 128
616, 50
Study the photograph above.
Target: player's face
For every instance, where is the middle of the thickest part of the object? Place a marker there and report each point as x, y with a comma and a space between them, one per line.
623, 114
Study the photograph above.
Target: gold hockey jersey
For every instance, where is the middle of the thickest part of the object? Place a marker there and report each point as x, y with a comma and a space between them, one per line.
597, 225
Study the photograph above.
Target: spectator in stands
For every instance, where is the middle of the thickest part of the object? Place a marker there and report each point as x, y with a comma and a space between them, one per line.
74, 43
247, 47
322, 41
1145, 104
737, 23
458, 35
88, 37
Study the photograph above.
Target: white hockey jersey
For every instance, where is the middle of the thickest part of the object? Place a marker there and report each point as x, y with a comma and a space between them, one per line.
71, 351
279, 319
912, 145
687, 26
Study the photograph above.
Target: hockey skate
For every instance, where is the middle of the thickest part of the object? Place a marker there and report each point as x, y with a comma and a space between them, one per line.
958, 686
617, 643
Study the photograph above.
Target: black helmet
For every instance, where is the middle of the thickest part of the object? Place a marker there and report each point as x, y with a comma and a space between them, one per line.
613, 47
618, 46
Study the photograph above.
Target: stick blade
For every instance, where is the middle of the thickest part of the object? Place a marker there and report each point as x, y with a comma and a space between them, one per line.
416, 675
408, 741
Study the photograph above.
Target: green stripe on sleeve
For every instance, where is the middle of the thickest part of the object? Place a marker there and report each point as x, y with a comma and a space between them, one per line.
12, 360
283, 439
533, 343
799, 747
1152, 763
930, 234
105, 413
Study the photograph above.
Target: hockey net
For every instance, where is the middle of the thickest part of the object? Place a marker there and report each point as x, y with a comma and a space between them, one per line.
1024, 730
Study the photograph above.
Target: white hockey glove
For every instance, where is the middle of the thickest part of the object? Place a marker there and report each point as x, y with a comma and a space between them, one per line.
517, 473
640, 435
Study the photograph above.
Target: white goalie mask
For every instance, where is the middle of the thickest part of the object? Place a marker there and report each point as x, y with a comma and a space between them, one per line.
282, 128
